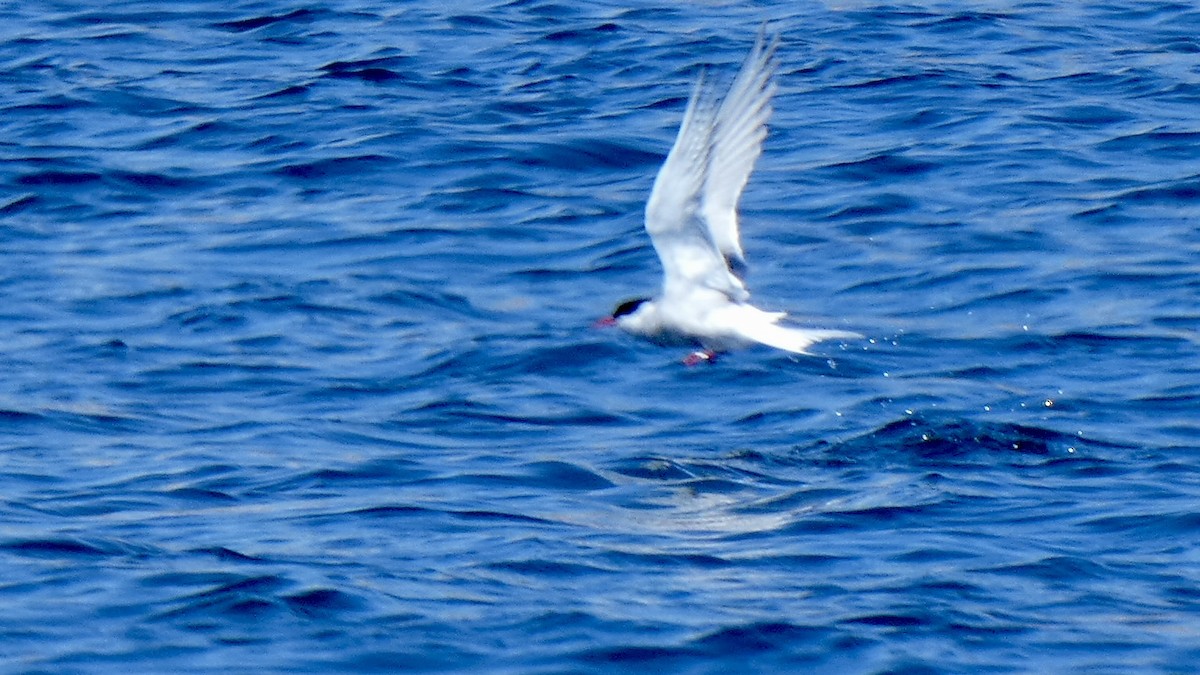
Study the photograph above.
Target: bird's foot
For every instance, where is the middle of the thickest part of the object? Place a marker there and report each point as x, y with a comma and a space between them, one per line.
698, 357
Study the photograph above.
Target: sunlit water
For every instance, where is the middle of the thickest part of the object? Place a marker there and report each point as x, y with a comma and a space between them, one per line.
300, 373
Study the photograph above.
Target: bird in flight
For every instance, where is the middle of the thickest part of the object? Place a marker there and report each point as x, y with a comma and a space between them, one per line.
692, 220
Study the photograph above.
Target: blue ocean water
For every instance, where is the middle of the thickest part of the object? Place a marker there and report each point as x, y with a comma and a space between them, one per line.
300, 373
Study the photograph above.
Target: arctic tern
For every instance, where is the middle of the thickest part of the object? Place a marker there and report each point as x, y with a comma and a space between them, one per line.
692, 220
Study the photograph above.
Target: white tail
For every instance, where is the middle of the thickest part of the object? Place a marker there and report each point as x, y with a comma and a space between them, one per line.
795, 340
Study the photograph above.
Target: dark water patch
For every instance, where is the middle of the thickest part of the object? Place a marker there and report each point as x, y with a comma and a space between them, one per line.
375, 70
896, 81
144, 105
105, 17
1186, 596
479, 201
792, 562
718, 486
542, 410
1167, 145
1086, 115
629, 559
1176, 401
9, 415
302, 16
430, 657
802, 499
761, 637
390, 512
295, 90
428, 299
957, 442
207, 317
96, 418
1112, 214
1185, 45
590, 154
213, 133
651, 468
238, 607
52, 178
1180, 193
991, 299
672, 103
881, 166
887, 516
636, 656
968, 21
153, 181
475, 21
1154, 525
923, 119
19, 203
188, 579
1096, 342
777, 417
61, 549
406, 512
566, 358
323, 603
52, 103
362, 476
336, 167
463, 79
1054, 570
1087, 81
556, 475
490, 179
1087, 467
889, 621
229, 555
502, 517
862, 214
593, 35
550, 569
200, 495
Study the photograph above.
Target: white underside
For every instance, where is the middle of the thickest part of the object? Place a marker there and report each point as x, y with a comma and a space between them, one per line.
713, 322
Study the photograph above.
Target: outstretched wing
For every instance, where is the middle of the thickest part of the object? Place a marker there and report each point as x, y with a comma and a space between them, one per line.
683, 241
736, 141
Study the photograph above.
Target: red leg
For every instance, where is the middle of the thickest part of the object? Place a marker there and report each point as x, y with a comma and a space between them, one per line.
698, 357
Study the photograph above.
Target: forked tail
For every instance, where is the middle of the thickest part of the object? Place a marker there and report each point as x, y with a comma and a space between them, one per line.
796, 340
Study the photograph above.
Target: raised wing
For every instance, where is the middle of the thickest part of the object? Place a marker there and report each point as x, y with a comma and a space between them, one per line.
736, 141
690, 258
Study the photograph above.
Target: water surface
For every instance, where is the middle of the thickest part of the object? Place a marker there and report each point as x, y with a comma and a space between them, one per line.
300, 372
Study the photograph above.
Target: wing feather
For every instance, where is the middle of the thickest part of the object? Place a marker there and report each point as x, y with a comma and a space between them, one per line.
739, 128
691, 215
689, 257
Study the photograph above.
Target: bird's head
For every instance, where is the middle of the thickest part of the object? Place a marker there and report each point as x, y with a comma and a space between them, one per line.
624, 309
